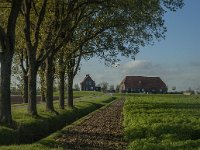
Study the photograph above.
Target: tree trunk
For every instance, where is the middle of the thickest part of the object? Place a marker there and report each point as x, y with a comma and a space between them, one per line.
7, 42
32, 38
70, 90
25, 95
49, 84
62, 89
43, 97
61, 71
32, 104
5, 100
42, 83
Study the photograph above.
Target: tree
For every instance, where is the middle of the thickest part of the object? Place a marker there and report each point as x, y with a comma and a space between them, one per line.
57, 28
61, 75
20, 78
72, 68
111, 88
104, 86
111, 27
76, 87
50, 70
21, 59
173, 88
31, 47
24, 67
7, 40
42, 82
117, 88
42, 45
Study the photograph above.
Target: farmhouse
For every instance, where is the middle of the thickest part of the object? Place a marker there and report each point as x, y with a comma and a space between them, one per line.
87, 84
140, 84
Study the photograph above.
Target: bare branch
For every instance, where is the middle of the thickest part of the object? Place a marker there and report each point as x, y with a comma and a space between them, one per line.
39, 22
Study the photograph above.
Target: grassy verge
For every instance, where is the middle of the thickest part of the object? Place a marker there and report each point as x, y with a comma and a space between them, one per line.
78, 94
32, 129
167, 122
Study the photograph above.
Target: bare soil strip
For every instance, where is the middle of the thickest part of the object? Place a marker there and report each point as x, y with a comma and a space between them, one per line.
103, 130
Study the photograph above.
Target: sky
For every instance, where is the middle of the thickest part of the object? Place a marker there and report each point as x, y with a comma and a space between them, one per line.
176, 59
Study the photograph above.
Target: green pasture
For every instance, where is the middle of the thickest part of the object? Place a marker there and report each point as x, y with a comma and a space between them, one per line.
162, 122
78, 94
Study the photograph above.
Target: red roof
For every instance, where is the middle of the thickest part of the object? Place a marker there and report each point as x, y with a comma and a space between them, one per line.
143, 82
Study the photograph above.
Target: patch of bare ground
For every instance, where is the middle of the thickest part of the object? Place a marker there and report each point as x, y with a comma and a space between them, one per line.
103, 130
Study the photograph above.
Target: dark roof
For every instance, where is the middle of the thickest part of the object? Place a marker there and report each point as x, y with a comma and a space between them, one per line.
143, 82
87, 77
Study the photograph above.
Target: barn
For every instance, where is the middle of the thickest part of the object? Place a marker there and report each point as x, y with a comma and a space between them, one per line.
87, 84
142, 84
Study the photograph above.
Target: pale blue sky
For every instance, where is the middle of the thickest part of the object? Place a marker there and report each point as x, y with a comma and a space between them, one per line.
176, 59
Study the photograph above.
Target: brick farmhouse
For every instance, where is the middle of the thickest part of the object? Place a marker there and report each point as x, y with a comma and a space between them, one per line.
141, 84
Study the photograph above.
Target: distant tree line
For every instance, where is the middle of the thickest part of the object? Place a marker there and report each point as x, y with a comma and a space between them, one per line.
47, 39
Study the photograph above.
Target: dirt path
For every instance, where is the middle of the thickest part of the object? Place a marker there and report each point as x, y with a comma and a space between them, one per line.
103, 130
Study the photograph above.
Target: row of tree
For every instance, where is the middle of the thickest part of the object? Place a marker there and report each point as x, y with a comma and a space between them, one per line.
48, 38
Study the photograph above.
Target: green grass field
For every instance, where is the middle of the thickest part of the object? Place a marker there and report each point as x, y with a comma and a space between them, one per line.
78, 94
165, 122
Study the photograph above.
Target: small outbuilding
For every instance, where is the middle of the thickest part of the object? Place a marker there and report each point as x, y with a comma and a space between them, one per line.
141, 84
87, 84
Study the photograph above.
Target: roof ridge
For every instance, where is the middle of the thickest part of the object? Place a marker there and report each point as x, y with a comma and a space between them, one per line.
87, 76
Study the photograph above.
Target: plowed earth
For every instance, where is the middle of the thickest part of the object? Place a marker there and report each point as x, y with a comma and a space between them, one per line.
103, 130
